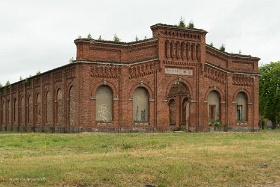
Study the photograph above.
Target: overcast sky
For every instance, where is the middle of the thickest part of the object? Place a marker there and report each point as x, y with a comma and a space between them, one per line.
38, 35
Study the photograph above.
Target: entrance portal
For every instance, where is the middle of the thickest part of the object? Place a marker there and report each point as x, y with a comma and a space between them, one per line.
179, 108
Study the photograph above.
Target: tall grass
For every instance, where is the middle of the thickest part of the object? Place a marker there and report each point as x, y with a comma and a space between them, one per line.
169, 159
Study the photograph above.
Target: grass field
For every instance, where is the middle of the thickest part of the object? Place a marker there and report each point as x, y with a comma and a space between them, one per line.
159, 159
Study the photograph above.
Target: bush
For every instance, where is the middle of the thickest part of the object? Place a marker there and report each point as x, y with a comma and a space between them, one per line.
89, 36
215, 123
182, 23
116, 38
191, 25
222, 48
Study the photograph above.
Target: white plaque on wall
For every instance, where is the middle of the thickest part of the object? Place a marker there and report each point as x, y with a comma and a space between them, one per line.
176, 71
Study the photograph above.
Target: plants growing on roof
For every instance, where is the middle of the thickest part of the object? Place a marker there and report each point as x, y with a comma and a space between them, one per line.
182, 23
8, 84
190, 25
71, 61
222, 48
116, 38
89, 36
100, 38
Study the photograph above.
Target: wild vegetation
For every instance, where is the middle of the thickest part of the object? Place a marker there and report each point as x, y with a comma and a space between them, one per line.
159, 159
270, 92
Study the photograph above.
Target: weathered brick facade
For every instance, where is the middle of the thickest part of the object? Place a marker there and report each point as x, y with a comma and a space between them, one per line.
172, 81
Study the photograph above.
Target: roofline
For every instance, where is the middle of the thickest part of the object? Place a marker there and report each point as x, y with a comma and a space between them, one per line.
109, 42
232, 71
175, 27
232, 55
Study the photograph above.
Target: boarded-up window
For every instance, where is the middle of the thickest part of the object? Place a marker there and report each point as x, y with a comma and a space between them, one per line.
9, 112
38, 109
29, 110
48, 108
72, 107
59, 106
15, 114
140, 105
213, 106
241, 107
3, 113
22, 110
104, 104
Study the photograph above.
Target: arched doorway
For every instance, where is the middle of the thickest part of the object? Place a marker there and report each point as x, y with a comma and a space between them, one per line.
179, 108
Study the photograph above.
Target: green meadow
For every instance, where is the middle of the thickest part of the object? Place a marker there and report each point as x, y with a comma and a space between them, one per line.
139, 159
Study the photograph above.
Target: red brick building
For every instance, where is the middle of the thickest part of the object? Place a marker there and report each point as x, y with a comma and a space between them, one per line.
171, 81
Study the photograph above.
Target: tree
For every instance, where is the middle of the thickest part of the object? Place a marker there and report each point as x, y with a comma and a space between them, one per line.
269, 95
182, 23
116, 38
222, 48
8, 84
136, 39
100, 38
190, 25
89, 36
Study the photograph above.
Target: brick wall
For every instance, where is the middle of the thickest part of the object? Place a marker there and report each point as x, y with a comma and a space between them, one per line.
175, 68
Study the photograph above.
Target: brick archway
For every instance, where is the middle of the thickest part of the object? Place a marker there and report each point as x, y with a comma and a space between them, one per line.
178, 103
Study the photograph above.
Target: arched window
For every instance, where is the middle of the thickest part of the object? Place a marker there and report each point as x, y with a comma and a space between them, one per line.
48, 108
15, 111
72, 107
213, 105
104, 104
29, 110
3, 114
38, 109
141, 105
59, 108
9, 112
241, 107
22, 110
